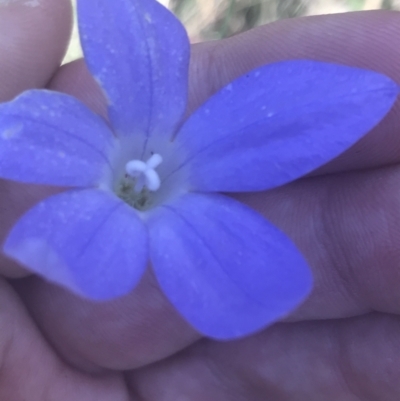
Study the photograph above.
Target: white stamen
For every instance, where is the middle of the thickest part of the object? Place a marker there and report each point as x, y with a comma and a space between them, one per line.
153, 181
135, 168
145, 173
154, 161
140, 183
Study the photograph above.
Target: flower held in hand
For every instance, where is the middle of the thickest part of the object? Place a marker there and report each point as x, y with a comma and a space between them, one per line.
144, 186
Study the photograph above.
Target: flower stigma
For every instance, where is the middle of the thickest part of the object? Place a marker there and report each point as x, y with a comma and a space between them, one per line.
139, 181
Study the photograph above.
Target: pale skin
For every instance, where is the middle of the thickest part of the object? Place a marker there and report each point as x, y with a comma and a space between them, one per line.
342, 344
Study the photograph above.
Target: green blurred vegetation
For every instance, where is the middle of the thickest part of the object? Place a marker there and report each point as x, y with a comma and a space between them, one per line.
217, 19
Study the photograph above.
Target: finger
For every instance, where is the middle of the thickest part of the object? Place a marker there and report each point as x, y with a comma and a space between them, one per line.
349, 360
131, 331
370, 40
33, 40
347, 227
30, 370
74, 79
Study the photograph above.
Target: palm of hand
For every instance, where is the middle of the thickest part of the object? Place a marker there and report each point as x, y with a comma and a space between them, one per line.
340, 345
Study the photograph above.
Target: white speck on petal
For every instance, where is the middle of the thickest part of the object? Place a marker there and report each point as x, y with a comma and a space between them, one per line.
11, 132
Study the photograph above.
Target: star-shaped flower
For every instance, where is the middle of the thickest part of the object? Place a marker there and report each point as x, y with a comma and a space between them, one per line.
144, 184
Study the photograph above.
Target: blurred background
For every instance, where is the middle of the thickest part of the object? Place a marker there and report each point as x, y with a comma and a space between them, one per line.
217, 19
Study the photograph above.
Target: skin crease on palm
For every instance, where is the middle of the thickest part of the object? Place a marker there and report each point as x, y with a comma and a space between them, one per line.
342, 344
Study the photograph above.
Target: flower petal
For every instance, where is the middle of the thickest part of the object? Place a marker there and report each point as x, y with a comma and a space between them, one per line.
139, 53
279, 122
51, 138
87, 240
225, 268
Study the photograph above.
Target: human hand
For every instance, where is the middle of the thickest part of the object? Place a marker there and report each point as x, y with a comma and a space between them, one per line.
344, 222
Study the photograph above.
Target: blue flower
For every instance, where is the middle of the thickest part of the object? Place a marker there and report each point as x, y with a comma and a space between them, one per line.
144, 184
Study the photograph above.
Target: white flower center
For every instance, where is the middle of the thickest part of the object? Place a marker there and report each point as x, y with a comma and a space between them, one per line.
144, 173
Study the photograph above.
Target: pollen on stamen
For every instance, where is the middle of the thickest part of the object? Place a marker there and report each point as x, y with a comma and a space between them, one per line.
139, 184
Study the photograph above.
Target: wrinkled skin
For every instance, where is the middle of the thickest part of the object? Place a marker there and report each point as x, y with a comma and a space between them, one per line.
342, 344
